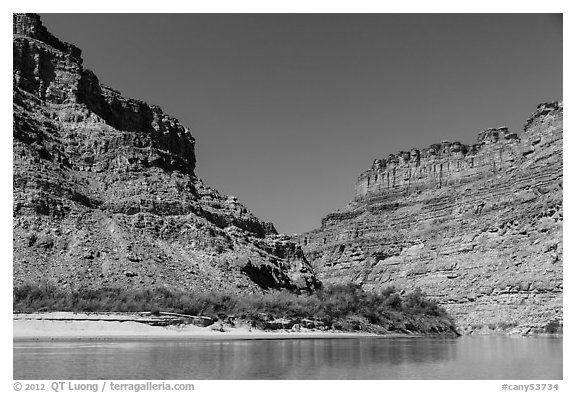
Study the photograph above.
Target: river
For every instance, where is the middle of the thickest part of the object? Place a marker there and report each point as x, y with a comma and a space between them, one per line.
471, 357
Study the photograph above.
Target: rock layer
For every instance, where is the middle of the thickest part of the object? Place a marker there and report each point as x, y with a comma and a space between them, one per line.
105, 191
478, 227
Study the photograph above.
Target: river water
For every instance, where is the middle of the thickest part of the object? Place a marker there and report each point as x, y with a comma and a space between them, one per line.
474, 357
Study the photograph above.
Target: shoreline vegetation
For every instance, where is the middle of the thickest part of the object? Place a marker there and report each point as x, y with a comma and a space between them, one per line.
45, 310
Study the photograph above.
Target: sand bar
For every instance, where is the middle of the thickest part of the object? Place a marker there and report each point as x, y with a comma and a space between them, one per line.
68, 325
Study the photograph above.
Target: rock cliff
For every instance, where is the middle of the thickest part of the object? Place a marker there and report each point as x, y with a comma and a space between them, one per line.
105, 194
478, 227
105, 191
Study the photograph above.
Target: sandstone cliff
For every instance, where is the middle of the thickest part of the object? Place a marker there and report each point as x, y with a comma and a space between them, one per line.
105, 191
478, 227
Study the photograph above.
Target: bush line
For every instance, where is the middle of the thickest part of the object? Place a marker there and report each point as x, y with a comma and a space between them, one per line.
344, 306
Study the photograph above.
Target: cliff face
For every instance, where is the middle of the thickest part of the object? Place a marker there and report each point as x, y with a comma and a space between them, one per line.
105, 191
477, 227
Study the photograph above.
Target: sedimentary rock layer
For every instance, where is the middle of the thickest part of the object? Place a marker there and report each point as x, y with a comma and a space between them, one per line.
478, 227
105, 191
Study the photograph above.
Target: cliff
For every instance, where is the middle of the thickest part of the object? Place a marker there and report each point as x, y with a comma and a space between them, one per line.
105, 192
477, 227
105, 195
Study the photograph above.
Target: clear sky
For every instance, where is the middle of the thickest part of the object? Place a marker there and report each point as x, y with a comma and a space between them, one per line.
287, 110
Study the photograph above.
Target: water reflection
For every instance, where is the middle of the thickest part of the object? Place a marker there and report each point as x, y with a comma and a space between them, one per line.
365, 358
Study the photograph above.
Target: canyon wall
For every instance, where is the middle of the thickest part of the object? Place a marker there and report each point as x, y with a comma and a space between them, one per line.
105, 192
477, 227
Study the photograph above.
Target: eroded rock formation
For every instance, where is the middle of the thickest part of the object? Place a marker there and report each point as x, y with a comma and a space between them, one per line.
478, 227
105, 191
105, 195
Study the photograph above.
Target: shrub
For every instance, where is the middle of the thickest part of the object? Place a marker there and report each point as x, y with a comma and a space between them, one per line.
507, 325
552, 326
346, 306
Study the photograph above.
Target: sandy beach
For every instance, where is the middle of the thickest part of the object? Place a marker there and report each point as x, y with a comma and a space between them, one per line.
68, 325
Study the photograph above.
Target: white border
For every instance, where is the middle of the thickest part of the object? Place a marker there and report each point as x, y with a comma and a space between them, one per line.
299, 6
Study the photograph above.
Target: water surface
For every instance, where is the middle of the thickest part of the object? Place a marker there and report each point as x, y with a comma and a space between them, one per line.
340, 358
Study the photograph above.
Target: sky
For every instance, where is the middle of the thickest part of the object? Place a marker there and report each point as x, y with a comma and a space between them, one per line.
288, 109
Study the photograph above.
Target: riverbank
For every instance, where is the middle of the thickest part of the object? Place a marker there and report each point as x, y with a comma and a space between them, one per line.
338, 308
108, 325
68, 325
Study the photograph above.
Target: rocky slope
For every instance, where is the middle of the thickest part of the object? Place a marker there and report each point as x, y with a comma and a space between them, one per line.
478, 227
105, 191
